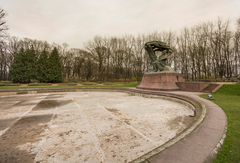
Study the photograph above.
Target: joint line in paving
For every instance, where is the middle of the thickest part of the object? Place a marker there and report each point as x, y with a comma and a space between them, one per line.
93, 135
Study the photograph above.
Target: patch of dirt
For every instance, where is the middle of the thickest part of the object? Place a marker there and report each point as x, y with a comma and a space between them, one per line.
175, 123
188, 121
7, 103
26, 130
120, 145
50, 104
120, 115
4, 123
54, 96
6, 107
15, 101
25, 103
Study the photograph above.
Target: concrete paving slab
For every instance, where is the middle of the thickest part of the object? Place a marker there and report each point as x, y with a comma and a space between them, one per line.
88, 126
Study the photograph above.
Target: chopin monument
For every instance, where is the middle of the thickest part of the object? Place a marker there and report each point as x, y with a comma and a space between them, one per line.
160, 76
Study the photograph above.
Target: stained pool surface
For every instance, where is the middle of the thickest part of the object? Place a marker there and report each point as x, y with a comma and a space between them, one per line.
86, 126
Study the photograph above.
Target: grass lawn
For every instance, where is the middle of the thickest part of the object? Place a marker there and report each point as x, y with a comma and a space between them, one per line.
80, 85
228, 98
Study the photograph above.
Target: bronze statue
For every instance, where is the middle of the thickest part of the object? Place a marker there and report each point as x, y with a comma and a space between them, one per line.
158, 61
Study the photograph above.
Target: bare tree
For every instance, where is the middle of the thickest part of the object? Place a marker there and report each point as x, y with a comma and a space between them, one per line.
3, 26
208, 51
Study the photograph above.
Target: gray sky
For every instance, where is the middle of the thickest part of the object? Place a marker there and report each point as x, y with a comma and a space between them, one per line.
78, 21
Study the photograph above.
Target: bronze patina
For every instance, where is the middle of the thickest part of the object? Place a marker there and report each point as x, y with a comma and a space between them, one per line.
158, 53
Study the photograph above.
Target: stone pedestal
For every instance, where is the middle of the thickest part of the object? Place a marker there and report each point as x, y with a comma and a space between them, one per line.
165, 80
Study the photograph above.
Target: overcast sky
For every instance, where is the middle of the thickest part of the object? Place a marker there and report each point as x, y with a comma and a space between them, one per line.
78, 21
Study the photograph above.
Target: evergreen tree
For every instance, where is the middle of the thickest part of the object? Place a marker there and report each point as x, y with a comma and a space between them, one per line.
55, 68
23, 67
31, 63
43, 67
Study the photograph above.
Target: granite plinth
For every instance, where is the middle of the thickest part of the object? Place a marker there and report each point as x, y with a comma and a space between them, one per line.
161, 81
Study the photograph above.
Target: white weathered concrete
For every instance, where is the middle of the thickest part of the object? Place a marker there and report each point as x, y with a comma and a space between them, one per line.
105, 127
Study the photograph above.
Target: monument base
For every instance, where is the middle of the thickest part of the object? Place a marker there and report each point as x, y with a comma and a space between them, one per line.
165, 80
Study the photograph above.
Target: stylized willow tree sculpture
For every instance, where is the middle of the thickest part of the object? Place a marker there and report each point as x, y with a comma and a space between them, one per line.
158, 61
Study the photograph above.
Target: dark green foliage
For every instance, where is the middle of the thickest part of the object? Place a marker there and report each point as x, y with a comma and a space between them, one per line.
23, 69
55, 68
27, 67
43, 67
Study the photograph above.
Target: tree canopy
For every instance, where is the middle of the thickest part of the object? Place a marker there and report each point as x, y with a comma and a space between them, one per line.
28, 66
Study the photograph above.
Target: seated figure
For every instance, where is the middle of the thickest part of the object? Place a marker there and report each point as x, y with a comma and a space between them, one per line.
158, 61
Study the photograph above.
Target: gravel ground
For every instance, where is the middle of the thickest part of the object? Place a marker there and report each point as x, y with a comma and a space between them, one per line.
86, 126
